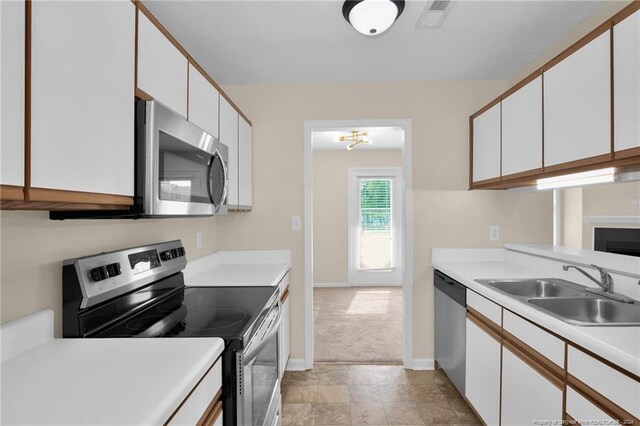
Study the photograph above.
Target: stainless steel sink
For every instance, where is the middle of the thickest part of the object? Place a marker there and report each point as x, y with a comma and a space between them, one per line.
590, 311
568, 301
527, 288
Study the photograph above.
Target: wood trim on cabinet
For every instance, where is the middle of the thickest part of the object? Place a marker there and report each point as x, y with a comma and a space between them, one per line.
141, 94
536, 360
192, 390
481, 183
488, 326
11, 193
76, 197
626, 153
604, 404
213, 410
135, 52
285, 295
470, 152
142, 8
611, 90
49, 206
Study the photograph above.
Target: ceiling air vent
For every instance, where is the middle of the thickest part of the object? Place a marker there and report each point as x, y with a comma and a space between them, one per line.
434, 14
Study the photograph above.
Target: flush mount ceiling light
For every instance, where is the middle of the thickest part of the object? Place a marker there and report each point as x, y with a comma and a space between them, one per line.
356, 138
578, 179
372, 17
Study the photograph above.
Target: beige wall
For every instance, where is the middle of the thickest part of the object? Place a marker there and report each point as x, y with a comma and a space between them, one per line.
445, 214
609, 9
572, 217
330, 206
33, 247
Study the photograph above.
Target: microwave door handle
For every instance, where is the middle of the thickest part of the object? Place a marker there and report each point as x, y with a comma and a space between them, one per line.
252, 351
225, 172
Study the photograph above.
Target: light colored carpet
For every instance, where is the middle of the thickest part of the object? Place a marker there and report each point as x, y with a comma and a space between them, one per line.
357, 324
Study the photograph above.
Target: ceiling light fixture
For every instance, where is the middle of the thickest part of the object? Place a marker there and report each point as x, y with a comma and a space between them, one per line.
356, 138
372, 17
578, 179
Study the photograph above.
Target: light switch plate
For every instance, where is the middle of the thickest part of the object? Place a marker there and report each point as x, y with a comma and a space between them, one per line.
296, 223
494, 232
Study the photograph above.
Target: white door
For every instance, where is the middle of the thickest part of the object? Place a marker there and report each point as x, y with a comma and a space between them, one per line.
577, 105
375, 225
229, 137
245, 164
486, 144
203, 103
626, 83
82, 88
527, 396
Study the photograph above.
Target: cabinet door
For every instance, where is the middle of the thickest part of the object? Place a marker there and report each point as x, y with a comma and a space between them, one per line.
626, 83
526, 394
12, 30
580, 408
285, 339
245, 165
203, 102
162, 69
82, 82
522, 129
229, 137
486, 145
577, 105
482, 382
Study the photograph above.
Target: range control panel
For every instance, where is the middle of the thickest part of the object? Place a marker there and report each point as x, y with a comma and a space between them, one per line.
107, 275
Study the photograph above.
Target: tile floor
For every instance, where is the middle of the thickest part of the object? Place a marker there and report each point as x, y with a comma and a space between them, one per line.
358, 324
338, 394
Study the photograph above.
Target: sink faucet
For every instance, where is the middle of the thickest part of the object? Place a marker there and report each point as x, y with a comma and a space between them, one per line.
606, 282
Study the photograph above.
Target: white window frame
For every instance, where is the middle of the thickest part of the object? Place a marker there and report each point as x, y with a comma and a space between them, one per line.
392, 276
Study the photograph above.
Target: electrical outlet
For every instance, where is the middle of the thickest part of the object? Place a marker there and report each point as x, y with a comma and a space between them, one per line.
494, 232
635, 201
296, 223
199, 240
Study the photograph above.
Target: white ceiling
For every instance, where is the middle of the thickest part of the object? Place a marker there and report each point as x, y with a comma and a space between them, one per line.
381, 138
294, 41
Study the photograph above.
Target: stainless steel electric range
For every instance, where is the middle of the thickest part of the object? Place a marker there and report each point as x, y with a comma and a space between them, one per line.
140, 292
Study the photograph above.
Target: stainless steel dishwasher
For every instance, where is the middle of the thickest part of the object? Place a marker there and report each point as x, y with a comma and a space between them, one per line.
450, 325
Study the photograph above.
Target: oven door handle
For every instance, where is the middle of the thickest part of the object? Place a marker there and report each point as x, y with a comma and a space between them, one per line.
252, 351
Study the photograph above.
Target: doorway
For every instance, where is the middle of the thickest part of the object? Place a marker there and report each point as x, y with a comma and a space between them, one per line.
377, 258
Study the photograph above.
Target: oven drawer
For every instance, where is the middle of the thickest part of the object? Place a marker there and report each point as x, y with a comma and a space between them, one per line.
203, 406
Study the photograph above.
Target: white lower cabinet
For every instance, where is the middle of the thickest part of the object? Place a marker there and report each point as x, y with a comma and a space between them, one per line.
581, 409
482, 383
199, 405
527, 396
285, 335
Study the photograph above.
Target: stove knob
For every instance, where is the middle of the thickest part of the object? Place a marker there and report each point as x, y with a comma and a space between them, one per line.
100, 273
114, 269
174, 253
180, 251
166, 255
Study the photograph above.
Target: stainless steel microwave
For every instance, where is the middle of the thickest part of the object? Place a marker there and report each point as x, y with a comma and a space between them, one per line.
180, 170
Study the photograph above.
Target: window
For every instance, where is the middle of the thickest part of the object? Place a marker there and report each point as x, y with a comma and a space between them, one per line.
375, 223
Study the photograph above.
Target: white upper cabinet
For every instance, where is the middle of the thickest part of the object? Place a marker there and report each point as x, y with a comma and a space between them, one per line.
245, 164
486, 145
162, 68
203, 102
82, 109
522, 129
626, 78
12, 27
229, 137
577, 105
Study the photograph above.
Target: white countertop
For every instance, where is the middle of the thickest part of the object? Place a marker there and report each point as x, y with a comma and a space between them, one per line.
103, 381
238, 268
619, 345
231, 274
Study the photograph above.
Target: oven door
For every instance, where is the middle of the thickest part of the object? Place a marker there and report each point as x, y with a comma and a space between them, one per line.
259, 384
180, 161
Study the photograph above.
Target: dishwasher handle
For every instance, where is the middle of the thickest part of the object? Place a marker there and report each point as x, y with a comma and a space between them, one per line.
450, 287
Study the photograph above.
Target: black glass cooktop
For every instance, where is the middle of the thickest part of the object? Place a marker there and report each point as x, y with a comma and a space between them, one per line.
227, 312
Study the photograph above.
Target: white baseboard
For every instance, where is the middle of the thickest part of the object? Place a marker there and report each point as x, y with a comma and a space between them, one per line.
327, 285
423, 364
295, 365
